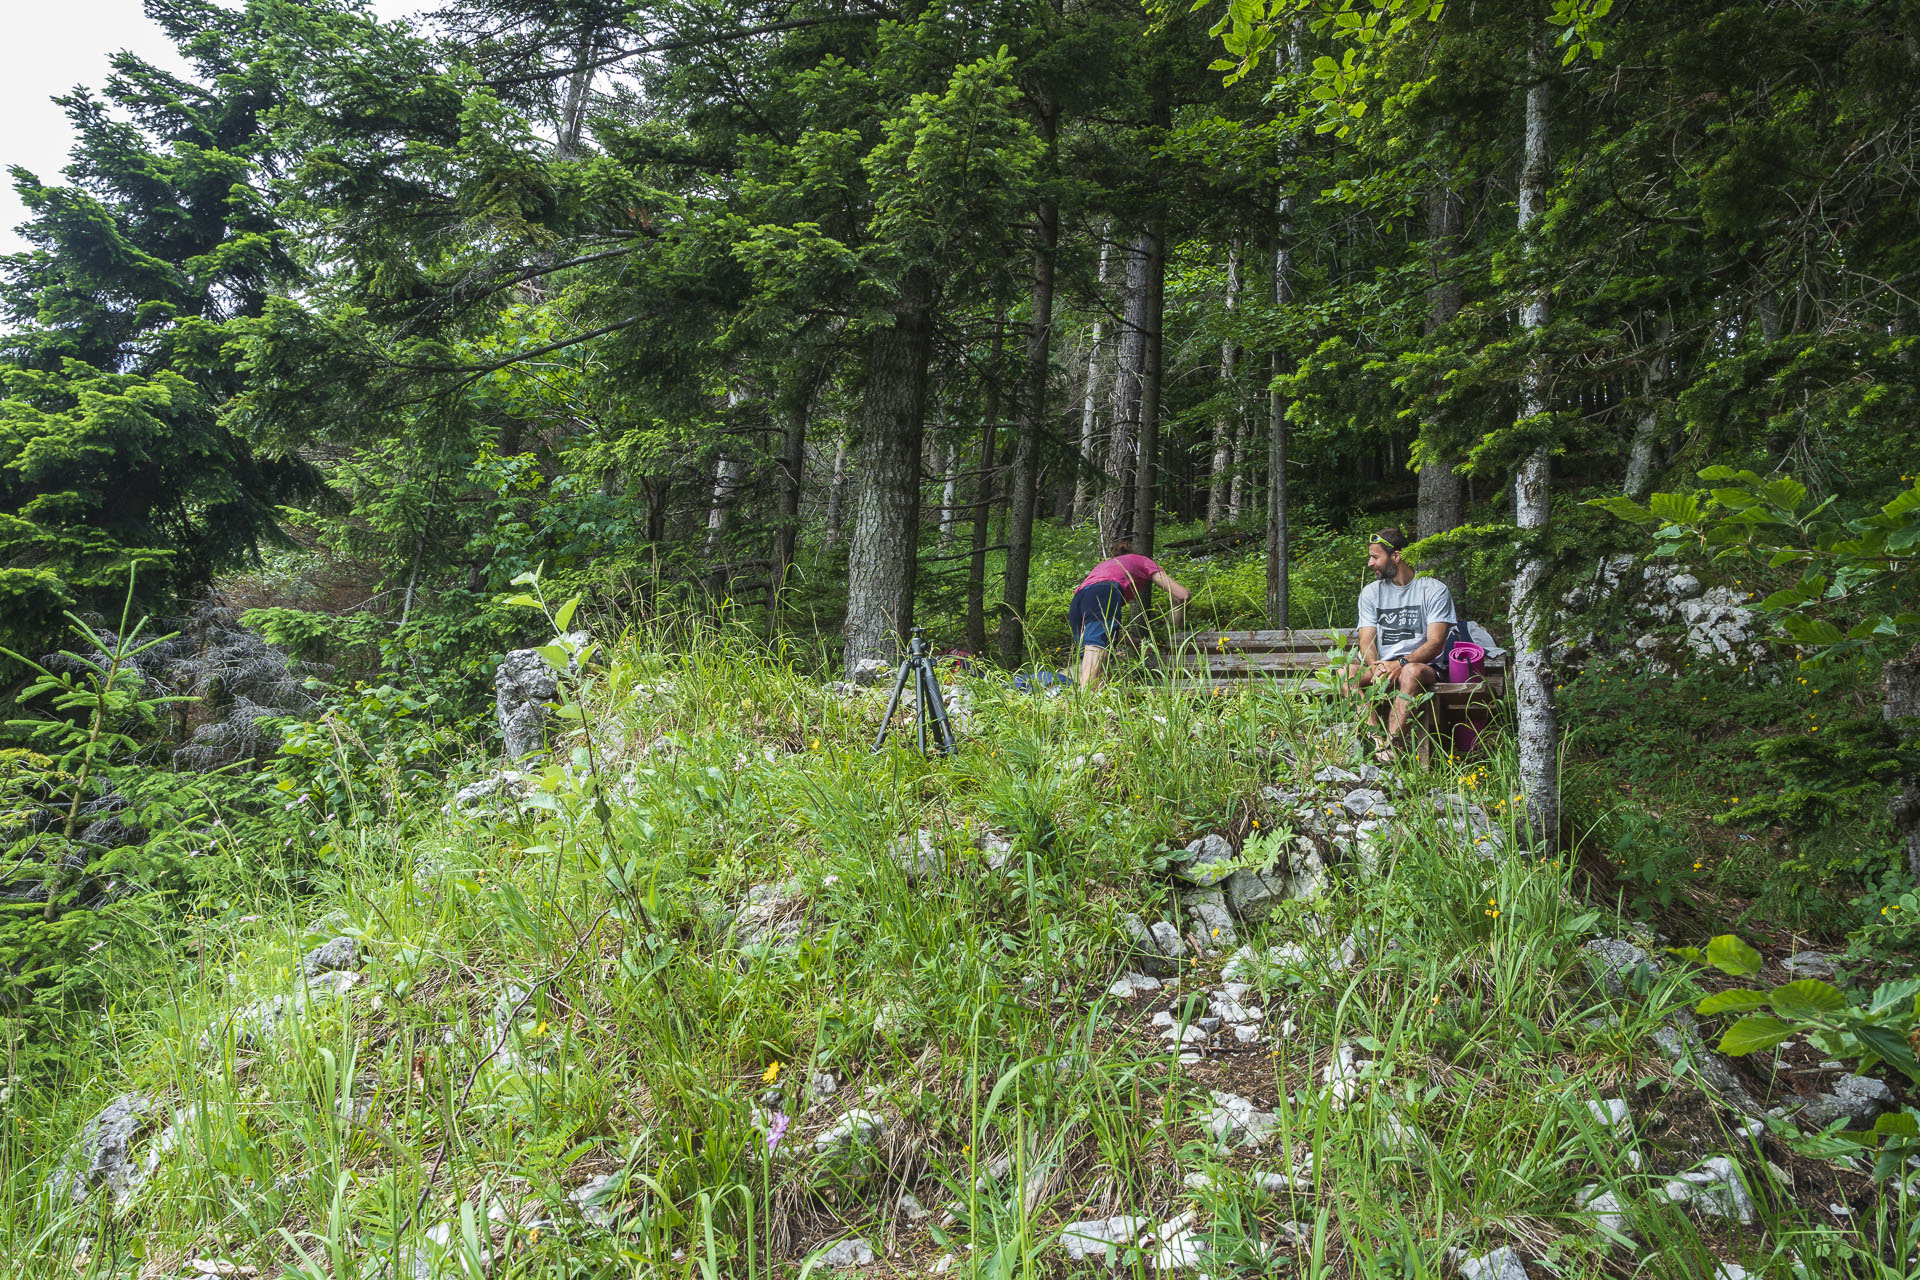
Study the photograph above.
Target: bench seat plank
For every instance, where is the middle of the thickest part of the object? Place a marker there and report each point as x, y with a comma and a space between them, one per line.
1478, 694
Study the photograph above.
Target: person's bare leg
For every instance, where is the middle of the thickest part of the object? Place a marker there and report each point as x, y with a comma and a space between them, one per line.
1092, 658
1358, 677
1414, 680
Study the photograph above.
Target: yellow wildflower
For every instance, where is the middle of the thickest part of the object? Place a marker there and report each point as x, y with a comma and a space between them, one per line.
771, 1074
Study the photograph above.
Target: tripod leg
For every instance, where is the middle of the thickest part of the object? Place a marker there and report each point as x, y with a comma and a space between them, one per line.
943, 727
924, 676
893, 704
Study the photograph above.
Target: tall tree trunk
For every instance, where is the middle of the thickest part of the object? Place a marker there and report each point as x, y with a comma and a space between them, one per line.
881, 559
1024, 476
793, 461
1900, 700
1083, 490
1219, 486
658, 489
1146, 491
1532, 503
1241, 482
573, 111
1643, 459
983, 496
836, 496
1279, 590
728, 470
949, 489
1442, 504
727, 473
1130, 362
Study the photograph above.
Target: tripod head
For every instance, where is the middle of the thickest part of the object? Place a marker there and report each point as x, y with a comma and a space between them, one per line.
917, 645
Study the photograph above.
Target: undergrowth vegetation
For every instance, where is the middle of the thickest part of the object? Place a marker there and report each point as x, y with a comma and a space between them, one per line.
572, 1052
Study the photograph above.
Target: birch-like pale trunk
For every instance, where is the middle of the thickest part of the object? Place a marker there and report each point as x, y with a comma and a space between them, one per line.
573, 112
1643, 459
836, 496
949, 490
726, 484
1219, 482
1532, 494
1242, 482
727, 472
1083, 488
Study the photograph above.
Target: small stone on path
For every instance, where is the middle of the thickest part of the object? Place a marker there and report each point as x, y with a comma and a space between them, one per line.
1090, 1239
1502, 1264
843, 1254
1809, 964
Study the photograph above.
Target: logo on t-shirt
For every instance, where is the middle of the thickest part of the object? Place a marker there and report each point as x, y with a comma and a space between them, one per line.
1399, 625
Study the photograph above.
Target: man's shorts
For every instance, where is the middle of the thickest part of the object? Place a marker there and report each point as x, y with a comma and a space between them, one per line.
1094, 616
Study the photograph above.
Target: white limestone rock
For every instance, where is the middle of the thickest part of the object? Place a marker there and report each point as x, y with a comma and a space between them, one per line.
1236, 1121
1717, 1189
843, 1255
1094, 1238
1502, 1264
1207, 860
856, 1127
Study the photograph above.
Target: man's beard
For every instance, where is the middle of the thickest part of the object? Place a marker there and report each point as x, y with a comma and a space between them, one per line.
1388, 574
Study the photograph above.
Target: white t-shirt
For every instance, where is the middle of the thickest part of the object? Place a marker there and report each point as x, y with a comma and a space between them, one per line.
1402, 615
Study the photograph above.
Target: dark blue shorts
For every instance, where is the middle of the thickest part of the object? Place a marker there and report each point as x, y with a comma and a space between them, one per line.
1094, 616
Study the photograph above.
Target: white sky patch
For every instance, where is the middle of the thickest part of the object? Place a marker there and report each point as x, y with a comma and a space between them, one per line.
53, 47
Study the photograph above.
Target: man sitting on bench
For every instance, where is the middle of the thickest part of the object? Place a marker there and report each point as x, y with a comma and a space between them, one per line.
1404, 621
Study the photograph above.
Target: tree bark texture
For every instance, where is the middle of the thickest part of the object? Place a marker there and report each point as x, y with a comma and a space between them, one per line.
881, 560
1130, 362
1083, 489
1146, 489
1532, 494
1442, 504
793, 462
1219, 484
983, 499
1023, 477
1643, 459
1279, 589
1900, 700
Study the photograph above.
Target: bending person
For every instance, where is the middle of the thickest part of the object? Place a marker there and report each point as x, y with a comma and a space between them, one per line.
1101, 602
1404, 620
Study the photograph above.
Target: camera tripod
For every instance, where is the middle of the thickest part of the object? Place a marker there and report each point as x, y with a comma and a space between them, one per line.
930, 708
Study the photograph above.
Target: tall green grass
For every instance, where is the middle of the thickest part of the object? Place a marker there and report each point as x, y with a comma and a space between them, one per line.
555, 994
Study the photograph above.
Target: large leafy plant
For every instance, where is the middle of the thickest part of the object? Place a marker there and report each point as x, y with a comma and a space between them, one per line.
1880, 1030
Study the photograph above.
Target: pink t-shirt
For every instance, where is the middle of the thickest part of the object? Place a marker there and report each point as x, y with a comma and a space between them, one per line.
1129, 571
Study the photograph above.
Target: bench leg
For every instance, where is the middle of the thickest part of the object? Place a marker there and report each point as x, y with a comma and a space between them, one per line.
1435, 732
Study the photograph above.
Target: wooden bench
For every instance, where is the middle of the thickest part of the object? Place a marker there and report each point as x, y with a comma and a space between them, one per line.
1228, 659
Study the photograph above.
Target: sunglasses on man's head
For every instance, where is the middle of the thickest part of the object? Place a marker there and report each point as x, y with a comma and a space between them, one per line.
1384, 541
